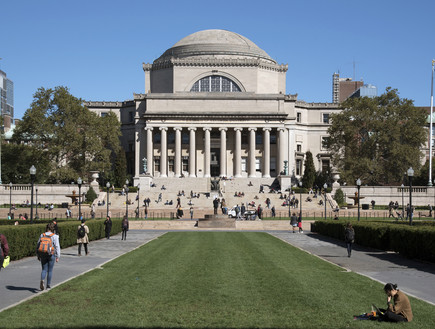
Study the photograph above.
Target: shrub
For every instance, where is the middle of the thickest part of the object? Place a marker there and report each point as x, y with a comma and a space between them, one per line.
339, 197
91, 195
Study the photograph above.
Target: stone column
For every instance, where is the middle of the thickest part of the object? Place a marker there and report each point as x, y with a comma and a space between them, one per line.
238, 152
223, 152
252, 152
150, 147
281, 141
177, 151
192, 152
137, 141
207, 151
164, 152
266, 155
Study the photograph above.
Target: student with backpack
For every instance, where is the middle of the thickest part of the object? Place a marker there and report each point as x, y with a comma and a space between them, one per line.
4, 249
349, 238
82, 237
48, 252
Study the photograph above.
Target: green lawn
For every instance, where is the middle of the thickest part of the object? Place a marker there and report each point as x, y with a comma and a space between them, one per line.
211, 280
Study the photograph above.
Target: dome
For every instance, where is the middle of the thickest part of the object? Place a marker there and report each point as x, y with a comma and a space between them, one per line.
220, 43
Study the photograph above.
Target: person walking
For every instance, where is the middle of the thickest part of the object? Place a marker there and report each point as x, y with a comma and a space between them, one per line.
82, 237
4, 249
191, 212
398, 305
146, 212
273, 211
108, 226
349, 238
294, 222
48, 253
300, 224
124, 225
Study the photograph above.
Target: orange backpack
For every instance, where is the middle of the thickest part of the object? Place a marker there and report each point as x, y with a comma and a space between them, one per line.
46, 245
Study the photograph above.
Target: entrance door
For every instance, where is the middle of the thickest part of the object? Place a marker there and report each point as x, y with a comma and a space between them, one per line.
215, 162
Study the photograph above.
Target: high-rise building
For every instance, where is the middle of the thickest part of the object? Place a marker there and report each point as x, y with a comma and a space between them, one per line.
342, 88
6, 95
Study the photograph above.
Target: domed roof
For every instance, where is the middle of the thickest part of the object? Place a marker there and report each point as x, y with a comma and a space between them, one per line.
215, 42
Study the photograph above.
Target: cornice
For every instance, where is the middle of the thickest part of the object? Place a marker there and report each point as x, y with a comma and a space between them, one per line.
317, 105
210, 96
276, 117
109, 104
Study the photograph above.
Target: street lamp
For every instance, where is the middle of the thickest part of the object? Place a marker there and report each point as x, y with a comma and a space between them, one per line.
10, 200
358, 185
32, 178
36, 213
108, 192
79, 183
289, 194
325, 186
138, 200
410, 175
402, 186
126, 198
300, 200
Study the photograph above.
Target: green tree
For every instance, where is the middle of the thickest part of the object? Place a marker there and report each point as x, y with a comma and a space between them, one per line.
74, 139
91, 195
377, 139
339, 197
120, 168
309, 171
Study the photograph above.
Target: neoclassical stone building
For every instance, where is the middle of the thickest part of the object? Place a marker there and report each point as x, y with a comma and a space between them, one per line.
215, 105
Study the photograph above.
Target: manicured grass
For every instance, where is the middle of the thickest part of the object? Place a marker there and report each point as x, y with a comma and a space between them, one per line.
211, 280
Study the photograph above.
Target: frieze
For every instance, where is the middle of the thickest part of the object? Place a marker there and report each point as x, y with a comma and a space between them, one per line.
107, 104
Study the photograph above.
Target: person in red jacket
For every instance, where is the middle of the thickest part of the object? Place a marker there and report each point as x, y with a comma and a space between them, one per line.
4, 250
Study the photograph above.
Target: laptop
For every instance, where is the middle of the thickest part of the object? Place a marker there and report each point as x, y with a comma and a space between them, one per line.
378, 311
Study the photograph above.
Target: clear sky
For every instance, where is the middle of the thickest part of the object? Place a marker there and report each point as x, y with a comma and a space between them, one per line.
96, 48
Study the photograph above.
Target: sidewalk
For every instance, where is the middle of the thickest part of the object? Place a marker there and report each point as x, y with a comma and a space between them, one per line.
20, 280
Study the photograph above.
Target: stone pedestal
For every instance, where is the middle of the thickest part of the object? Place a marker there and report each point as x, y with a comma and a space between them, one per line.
285, 182
94, 184
144, 180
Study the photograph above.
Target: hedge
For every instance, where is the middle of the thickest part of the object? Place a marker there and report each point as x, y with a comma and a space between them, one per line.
22, 239
417, 241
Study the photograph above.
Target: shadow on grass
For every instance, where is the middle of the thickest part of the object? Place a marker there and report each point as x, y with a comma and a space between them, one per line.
396, 260
16, 288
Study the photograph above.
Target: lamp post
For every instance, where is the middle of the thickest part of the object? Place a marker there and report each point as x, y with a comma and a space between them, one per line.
410, 175
138, 200
289, 195
10, 200
358, 185
325, 186
402, 186
32, 178
79, 183
36, 212
126, 198
300, 200
108, 192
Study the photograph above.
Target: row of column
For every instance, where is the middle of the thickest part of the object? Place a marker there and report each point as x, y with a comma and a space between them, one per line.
223, 151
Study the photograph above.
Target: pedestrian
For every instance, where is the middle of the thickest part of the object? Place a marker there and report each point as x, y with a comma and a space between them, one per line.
273, 211
180, 213
4, 249
124, 225
191, 212
108, 226
82, 237
215, 205
48, 252
146, 212
294, 222
300, 224
349, 238
398, 305
260, 212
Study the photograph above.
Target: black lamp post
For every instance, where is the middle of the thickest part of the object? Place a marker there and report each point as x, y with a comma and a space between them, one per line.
126, 198
300, 200
410, 175
32, 178
10, 200
108, 192
36, 212
138, 200
358, 185
79, 183
325, 186
402, 186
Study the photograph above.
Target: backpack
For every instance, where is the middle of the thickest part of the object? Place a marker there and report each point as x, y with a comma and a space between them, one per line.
45, 246
350, 235
81, 232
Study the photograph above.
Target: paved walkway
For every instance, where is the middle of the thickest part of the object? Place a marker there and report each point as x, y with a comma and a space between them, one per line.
20, 280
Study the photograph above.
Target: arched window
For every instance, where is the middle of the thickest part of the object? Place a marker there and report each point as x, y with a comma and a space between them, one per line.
215, 83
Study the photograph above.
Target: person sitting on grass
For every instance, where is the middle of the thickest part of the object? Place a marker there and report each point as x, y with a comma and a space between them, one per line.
399, 307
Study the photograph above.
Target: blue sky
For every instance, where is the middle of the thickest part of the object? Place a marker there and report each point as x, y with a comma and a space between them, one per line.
96, 48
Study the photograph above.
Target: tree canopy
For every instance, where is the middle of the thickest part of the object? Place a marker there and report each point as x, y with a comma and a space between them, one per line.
73, 139
377, 139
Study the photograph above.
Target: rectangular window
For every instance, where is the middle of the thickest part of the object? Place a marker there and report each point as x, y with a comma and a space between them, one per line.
130, 116
272, 166
258, 139
171, 164
258, 164
325, 118
157, 137
185, 138
245, 137
273, 137
243, 163
325, 166
103, 114
185, 163
171, 137
205, 85
298, 167
325, 140
157, 164
298, 116
298, 148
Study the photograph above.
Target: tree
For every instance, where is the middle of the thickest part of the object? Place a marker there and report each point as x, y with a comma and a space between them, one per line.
120, 168
90, 195
74, 139
309, 171
377, 139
